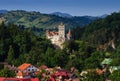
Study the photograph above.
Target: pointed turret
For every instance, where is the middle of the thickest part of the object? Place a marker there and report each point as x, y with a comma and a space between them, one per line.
69, 35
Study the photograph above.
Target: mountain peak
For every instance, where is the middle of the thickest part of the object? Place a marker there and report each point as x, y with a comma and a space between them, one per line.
3, 11
66, 15
104, 16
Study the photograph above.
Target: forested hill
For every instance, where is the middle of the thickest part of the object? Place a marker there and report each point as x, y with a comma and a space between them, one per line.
102, 31
39, 20
22, 46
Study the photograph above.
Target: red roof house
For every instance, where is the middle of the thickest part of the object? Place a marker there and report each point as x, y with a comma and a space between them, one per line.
19, 79
26, 70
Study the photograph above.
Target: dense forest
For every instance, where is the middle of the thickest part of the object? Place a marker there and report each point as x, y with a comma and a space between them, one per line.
18, 46
103, 34
101, 31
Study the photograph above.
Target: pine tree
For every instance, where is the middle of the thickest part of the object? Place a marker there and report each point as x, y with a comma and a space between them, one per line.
10, 56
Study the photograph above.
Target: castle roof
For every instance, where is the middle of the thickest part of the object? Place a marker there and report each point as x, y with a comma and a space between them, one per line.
52, 33
69, 32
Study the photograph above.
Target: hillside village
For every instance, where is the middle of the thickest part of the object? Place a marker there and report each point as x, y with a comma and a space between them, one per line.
30, 72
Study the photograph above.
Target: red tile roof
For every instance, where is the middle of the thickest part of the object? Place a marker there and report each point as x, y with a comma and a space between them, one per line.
43, 67
99, 71
52, 33
19, 79
2, 78
60, 74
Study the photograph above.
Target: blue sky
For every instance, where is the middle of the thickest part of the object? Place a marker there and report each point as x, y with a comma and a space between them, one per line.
73, 7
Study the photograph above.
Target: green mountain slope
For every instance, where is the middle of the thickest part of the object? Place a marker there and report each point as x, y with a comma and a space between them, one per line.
39, 20
103, 31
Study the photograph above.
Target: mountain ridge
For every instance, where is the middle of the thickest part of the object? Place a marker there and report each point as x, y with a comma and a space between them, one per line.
3, 11
103, 31
65, 15
39, 20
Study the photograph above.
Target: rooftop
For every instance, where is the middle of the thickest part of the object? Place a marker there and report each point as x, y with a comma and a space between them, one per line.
24, 66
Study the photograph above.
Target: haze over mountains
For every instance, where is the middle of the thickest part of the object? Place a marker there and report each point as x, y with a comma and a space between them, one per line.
3, 11
66, 15
40, 20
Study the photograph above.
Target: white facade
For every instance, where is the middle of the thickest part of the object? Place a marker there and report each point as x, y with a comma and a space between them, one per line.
31, 68
58, 38
62, 30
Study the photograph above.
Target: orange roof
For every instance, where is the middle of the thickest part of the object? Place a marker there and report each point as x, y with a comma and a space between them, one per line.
69, 32
24, 66
99, 71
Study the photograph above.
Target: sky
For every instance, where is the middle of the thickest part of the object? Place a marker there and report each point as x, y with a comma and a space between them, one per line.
73, 7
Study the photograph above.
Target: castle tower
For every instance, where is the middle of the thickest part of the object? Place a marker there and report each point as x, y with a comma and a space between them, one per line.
61, 28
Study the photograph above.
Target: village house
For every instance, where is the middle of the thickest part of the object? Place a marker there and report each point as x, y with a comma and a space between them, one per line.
114, 68
106, 62
58, 38
26, 70
18, 79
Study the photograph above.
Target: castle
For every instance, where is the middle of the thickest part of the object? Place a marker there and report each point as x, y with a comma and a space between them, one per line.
58, 38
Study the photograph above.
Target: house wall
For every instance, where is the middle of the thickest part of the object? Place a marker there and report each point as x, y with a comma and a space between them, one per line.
32, 69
